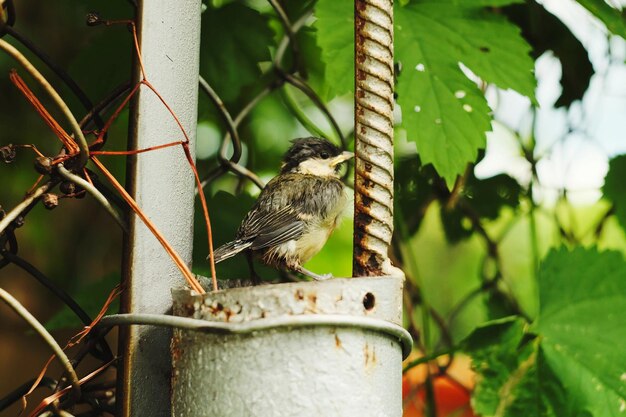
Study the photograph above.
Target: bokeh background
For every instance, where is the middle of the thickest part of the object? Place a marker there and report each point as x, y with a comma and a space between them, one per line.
538, 184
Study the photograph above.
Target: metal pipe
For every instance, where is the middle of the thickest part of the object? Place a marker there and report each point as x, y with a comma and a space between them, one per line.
331, 348
163, 186
373, 179
395, 331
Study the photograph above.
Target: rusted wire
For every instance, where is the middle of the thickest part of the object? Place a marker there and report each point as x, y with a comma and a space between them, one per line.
54, 95
373, 179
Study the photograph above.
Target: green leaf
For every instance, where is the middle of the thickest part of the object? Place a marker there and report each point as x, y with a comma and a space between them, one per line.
615, 187
581, 322
91, 297
335, 36
235, 38
512, 376
443, 111
544, 32
613, 18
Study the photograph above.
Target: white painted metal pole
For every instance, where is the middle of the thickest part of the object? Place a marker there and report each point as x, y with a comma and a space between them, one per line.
163, 186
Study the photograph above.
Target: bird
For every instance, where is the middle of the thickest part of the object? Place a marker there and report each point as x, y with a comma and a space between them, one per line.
296, 211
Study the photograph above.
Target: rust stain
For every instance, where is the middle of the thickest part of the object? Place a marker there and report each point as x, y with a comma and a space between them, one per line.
370, 356
312, 298
176, 350
337, 342
366, 201
299, 295
216, 309
229, 313
188, 310
372, 260
361, 221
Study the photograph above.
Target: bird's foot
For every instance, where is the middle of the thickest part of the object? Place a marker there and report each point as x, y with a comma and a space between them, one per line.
316, 277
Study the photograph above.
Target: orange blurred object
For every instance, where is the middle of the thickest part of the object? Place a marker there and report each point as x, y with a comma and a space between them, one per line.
452, 393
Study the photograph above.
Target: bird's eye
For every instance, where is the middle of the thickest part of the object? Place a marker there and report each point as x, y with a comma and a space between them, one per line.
325, 155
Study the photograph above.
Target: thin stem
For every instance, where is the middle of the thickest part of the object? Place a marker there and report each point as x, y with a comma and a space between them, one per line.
315, 99
431, 407
530, 157
238, 119
100, 198
22, 60
230, 124
282, 46
232, 163
47, 337
296, 111
17, 210
428, 358
290, 31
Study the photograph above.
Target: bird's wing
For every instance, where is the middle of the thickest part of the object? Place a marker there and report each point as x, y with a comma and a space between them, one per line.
229, 250
265, 229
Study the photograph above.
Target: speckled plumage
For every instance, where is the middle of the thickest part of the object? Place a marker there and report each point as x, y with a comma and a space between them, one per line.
297, 210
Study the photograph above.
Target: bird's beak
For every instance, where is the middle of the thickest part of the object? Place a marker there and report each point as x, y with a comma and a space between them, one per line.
344, 156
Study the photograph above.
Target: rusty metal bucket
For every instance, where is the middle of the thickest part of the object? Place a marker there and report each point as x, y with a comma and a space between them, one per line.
331, 348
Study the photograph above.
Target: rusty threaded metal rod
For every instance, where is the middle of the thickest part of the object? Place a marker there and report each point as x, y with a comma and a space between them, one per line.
373, 179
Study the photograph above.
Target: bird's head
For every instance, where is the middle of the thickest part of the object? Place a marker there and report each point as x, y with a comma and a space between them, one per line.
314, 156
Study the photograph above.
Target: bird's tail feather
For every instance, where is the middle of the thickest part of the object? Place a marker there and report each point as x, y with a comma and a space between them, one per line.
230, 249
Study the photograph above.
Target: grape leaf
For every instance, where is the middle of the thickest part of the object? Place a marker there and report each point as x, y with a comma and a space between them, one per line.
582, 325
569, 362
615, 188
512, 376
614, 19
235, 38
443, 111
335, 37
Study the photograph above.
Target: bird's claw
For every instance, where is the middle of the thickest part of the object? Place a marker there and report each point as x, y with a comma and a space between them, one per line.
323, 277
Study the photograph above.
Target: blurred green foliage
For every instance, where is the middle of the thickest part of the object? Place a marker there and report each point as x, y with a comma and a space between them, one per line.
470, 247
